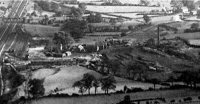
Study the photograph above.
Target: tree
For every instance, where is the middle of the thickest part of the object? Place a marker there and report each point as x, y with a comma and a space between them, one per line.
113, 21
80, 85
154, 81
75, 27
171, 79
87, 81
82, 7
44, 5
144, 2
62, 39
130, 27
16, 80
76, 12
189, 4
95, 85
95, 18
177, 5
108, 83
33, 13
98, 18
195, 26
91, 18
147, 19
45, 20
36, 88
113, 65
3, 8
191, 78
54, 7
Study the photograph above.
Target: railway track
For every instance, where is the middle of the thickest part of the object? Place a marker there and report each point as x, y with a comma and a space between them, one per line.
6, 36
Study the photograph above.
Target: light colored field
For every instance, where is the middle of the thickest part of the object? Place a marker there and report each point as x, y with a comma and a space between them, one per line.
113, 99
117, 9
41, 30
195, 42
66, 76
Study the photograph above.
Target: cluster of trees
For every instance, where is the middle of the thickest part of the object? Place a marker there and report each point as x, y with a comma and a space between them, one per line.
12, 78
190, 78
137, 69
62, 38
75, 27
46, 6
3, 8
178, 4
36, 88
78, 12
107, 83
95, 18
144, 2
60, 42
147, 19
193, 28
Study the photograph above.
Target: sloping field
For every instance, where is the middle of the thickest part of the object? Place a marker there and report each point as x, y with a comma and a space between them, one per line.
171, 62
65, 77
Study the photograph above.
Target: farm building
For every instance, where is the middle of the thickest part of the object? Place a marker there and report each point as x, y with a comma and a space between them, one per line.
176, 18
185, 10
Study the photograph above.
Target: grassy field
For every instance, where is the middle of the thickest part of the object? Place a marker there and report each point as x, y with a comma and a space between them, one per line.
64, 77
115, 98
41, 30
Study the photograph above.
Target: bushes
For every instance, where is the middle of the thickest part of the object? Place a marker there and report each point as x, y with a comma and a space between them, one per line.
141, 26
135, 90
194, 28
188, 99
178, 87
191, 30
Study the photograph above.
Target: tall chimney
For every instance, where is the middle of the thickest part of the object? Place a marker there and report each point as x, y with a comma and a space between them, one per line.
158, 32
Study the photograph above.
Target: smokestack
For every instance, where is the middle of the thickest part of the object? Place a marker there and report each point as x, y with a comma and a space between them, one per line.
158, 31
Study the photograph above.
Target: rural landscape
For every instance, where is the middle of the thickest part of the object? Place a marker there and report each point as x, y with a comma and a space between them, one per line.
99, 51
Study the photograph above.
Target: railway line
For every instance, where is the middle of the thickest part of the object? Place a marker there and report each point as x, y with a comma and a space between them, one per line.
7, 39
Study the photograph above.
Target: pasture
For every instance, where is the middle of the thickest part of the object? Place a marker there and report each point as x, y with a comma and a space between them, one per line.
41, 30
63, 77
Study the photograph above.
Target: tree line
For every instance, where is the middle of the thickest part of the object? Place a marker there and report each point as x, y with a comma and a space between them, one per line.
106, 82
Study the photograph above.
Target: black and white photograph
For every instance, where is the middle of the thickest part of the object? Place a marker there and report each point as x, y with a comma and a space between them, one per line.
99, 51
